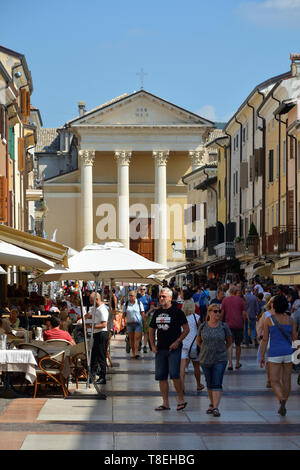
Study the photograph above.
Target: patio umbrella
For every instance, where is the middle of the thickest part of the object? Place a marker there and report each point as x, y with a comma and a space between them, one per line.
14, 255
104, 261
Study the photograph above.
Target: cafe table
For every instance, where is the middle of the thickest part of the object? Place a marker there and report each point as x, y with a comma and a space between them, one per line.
16, 361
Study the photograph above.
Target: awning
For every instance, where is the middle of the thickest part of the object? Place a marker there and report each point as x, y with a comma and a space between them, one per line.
53, 251
287, 276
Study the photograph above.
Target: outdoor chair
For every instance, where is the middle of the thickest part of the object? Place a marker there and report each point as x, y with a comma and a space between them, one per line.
79, 367
50, 372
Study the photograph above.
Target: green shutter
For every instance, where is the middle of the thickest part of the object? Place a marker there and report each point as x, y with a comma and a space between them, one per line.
11, 142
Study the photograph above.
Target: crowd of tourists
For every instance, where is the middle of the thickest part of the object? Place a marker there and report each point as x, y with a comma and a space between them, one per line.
181, 325
203, 326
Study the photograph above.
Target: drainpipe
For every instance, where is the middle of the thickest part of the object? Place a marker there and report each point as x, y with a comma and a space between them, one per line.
263, 228
279, 148
296, 190
241, 157
228, 184
253, 145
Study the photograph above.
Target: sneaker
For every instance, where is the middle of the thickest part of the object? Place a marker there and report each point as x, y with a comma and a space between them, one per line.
101, 381
145, 349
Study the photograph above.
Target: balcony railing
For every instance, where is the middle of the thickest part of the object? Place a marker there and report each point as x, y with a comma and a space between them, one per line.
225, 250
250, 246
281, 240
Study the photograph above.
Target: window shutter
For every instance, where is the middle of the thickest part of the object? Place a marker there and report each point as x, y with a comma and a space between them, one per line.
23, 101
290, 208
27, 103
1, 122
11, 142
3, 200
21, 154
244, 175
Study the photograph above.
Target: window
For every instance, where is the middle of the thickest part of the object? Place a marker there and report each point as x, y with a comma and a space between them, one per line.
268, 220
277, 214
271, 166
219, 190
283, 213
277, 161
283, 157
219, 155
225, 188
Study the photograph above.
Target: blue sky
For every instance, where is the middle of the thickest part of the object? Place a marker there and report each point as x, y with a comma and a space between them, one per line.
205, 56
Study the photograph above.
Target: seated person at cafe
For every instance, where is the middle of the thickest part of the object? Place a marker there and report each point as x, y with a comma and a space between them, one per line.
13, 320
55, 332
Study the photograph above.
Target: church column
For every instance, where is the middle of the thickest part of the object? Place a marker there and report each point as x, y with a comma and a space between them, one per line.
196, 158
123, 159
161, 206
87, 158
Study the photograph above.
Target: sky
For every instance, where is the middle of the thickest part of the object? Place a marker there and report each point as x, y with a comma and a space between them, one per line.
204, 56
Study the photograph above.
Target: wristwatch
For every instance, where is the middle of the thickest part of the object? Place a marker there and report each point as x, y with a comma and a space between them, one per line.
179, 341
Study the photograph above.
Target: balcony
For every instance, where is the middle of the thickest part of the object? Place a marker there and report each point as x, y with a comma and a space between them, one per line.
34, 194
287, 238
225, 250
248, 247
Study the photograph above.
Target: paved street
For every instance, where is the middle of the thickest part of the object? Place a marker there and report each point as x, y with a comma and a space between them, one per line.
127, 420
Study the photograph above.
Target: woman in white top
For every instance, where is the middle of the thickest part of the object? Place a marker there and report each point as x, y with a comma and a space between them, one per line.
189, 344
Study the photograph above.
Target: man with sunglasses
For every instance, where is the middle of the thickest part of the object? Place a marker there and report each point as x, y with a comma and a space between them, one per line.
172, 327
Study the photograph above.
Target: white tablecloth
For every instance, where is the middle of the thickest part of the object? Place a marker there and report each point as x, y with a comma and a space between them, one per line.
18, 360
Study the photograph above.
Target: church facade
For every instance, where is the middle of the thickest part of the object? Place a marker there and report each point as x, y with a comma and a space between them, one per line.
132, 154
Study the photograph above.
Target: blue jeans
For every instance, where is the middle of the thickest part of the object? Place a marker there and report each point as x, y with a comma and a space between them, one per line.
214, 375
252, 330
134, 327
167, 362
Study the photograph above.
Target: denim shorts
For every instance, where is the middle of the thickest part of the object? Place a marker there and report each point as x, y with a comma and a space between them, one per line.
214, 375
134, 327
167, 363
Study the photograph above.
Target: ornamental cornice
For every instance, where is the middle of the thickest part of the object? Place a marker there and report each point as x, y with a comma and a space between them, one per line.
87, 157
160, 157
123, 157
197, 157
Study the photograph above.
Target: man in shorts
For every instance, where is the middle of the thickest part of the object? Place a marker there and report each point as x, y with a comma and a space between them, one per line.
172, 327
234, 310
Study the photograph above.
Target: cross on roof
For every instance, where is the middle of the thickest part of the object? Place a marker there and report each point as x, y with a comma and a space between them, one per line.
142, 75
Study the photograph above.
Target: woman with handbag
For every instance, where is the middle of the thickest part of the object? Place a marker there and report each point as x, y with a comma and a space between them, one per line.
190, 351
281, 330
214, 338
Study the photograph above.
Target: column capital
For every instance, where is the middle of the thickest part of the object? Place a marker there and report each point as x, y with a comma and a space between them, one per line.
123, 157
87, 157
197, 157
161, 157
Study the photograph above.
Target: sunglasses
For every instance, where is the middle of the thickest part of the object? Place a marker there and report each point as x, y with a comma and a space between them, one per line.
217, 311
163, 296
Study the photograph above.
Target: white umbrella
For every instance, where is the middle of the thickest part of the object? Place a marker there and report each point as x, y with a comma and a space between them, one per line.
11, 254
107, 261
104, 261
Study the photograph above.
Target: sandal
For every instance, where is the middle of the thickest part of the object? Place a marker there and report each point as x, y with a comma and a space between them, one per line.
216, 412
162, 408
238, 366
229, 368
181, 406
209, 411
200, 388
282, 409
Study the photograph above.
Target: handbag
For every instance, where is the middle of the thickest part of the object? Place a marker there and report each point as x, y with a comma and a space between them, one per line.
198, 347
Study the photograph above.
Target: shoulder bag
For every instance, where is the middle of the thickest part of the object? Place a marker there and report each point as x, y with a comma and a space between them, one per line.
195, 339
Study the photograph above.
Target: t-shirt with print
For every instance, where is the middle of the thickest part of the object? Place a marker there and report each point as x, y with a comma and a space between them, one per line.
168, 324
213, 347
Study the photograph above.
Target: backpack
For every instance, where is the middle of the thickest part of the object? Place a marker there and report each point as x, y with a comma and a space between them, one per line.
139, 304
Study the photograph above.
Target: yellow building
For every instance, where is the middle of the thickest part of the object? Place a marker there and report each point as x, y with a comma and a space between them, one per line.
132, 153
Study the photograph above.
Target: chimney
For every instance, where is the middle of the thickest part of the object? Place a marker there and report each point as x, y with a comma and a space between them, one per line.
81, 108
295, 65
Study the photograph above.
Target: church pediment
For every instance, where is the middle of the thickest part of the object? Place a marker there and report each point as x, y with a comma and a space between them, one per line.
140, 108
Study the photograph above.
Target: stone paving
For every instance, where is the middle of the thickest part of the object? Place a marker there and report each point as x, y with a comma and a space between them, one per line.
126, 420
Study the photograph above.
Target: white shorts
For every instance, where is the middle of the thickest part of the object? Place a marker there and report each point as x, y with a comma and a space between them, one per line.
281, 359
185, 354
